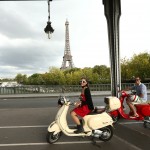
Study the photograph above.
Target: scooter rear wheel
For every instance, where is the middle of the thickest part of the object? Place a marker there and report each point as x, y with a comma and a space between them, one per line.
146, 123
107, 133
52, 138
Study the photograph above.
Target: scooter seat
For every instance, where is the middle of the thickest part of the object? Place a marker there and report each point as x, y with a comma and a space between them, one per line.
92, 113
97, 111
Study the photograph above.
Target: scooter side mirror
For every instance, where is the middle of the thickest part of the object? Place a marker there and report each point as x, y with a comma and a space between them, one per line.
133, 92
61, 101
106, 100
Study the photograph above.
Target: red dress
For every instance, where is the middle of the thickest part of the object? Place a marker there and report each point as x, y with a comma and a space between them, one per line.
83, 109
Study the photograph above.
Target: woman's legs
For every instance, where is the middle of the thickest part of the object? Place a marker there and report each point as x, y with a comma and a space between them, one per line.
75, 117
77, 121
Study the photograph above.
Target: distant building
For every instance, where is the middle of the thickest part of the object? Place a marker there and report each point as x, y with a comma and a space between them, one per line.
9, 84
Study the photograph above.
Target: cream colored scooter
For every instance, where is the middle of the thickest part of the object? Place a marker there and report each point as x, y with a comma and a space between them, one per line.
97, 125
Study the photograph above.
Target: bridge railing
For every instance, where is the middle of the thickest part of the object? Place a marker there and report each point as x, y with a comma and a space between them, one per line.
29, 89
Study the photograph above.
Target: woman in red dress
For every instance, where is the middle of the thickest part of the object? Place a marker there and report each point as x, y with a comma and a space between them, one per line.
83, 107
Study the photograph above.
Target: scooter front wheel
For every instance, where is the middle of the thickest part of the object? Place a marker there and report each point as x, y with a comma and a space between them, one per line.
52, 138
106, 134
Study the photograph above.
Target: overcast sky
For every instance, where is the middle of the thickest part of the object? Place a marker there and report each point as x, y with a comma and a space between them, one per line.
25, 48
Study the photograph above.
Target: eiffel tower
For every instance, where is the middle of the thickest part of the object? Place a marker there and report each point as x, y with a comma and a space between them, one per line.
67, 58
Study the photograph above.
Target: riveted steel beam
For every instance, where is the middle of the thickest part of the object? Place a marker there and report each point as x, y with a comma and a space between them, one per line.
112, 10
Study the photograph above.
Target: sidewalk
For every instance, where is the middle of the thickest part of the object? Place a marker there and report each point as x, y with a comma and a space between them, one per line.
36, 95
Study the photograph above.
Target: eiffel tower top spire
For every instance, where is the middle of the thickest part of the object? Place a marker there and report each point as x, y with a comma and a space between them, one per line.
67, 58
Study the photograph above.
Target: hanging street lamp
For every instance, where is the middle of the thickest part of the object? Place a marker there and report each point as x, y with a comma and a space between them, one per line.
48, 29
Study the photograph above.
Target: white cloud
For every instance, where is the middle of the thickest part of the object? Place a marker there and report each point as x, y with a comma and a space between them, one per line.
24, 47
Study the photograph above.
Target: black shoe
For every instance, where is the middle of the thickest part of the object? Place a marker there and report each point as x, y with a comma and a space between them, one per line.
79, 129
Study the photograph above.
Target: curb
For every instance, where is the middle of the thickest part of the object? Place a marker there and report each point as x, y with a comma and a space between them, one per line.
51, 95
93, 93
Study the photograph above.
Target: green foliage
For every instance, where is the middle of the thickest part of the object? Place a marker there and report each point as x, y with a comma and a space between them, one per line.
71, 70
35, 79
103, 72
21, 78
56, 76
138, 65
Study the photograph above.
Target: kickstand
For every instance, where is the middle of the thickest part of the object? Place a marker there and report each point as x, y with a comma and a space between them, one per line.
80, 138
93, 140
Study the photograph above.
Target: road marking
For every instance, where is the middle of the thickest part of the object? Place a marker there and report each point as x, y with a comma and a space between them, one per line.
57, 143
22, 144
4, 99
43, 126
127, 143
78, 142
36, 126
137, 130
131, 122
73, 142
14, 127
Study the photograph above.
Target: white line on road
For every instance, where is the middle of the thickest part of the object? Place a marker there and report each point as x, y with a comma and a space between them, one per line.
43, 126
127, 143
4, 99
130, 122
73, 142
57, 143
36, 126
22, 144
14, 127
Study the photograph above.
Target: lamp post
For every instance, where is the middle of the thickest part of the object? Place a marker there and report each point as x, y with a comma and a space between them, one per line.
48, 29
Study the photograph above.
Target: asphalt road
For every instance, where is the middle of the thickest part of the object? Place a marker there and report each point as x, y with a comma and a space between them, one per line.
24, 122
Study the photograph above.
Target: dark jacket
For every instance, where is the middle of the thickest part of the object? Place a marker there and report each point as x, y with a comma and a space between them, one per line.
88, 98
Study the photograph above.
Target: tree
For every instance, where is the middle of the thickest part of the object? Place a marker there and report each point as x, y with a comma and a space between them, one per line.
125, 70
104, 73
21, 78
139, 64
57, 76
36, 79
